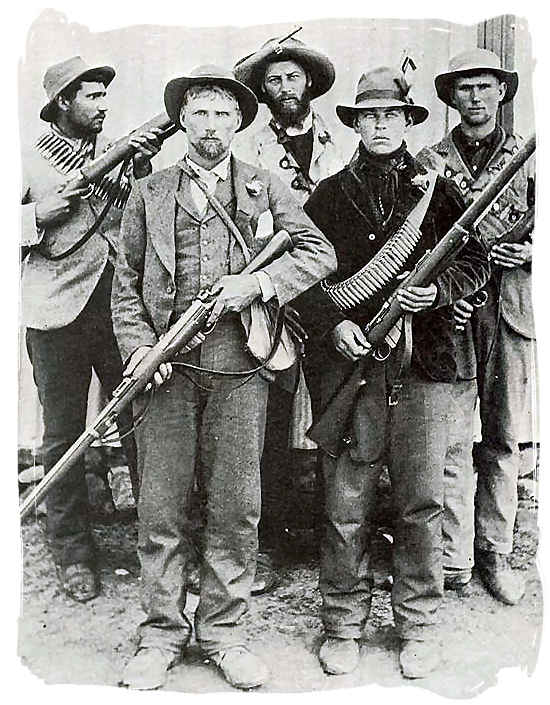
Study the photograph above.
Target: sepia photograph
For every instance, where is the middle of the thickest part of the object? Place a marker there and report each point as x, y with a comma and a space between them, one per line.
278, 424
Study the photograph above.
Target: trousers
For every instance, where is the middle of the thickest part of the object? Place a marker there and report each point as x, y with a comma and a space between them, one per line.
411, 438
211, 436
62, 361
458, 518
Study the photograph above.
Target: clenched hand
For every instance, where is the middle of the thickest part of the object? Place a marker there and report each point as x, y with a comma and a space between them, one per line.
233, 292
350, 341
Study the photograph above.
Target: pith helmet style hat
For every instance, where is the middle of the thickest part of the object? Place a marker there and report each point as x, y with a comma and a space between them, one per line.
382, 87
251, 69
59, 76
209, 75
470, 62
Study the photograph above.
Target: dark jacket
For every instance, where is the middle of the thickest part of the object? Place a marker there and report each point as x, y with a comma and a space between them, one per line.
340, 208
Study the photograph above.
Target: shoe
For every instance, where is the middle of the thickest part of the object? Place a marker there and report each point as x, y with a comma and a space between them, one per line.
148, 669
456, 579
241, 668
339, 656
78, 581
419, 658
499, 578
266, 578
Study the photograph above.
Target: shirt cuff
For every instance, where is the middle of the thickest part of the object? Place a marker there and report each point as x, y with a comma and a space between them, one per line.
266, 285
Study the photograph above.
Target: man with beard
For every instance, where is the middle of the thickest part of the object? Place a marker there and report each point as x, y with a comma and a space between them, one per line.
204, 426
401, 414
297, 145
497, 345
66, 295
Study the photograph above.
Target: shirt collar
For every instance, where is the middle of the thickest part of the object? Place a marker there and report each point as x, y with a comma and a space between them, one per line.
220, 171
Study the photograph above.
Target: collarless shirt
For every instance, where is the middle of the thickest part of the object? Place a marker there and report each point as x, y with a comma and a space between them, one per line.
476, 152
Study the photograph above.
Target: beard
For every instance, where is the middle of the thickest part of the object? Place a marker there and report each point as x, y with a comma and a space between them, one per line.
209, 148
290, 112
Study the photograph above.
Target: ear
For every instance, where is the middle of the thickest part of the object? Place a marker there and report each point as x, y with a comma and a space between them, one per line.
62, 103
503, 87
308, 79
356, 124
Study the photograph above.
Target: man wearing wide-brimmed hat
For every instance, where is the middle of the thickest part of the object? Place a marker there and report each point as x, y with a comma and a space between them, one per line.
401, 414
66, 301
497, 345
177, 240
297, 144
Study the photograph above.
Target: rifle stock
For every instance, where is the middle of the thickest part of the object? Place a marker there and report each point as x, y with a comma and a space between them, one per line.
188, 325
332, 425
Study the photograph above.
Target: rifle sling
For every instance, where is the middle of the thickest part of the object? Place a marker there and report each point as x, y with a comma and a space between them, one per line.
94, 228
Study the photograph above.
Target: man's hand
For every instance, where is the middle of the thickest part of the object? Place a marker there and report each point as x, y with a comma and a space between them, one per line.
55, 207
147, 145
416, 298
233, 292
510, 255
163, 373
350, 341
462, 312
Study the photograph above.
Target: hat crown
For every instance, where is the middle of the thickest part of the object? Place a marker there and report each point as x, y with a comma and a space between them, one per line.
63, 73
383, 82
211, 71
475, 59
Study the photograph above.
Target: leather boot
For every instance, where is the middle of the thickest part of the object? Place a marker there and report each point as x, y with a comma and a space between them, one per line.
419, 658
339, 656
498, 577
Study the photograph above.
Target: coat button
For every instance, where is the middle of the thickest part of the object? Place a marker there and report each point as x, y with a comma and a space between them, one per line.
448, 173
372, 236
169, 289
464, 184
496, 207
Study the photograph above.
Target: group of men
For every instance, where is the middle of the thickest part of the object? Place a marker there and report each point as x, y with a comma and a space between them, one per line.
103, 299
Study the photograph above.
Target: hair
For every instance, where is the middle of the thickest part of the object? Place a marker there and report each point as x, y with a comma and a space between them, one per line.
209, 91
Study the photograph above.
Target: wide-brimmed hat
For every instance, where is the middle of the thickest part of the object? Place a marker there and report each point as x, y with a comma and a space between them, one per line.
251, 69
382, 87
209, 75
470, 62
59, 76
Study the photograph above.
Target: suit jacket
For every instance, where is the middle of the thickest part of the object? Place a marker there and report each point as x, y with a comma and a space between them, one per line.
54, 293
262, 149
144, 286
515, 284
340, 208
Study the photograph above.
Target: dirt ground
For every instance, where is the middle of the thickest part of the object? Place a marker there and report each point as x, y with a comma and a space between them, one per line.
61, 641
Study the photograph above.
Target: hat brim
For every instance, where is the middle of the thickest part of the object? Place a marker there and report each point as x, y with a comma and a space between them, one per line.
348, 113
251, 69
103, 74
175, 89
444, 82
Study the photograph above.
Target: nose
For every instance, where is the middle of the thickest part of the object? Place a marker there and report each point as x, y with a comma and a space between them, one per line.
474, 94
380, 123
102, 106
286, 86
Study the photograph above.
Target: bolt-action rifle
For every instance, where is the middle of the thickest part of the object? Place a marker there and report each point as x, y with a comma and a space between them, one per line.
331, 427
189, 325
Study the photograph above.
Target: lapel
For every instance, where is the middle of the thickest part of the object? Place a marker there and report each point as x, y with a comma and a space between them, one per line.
319, 147
161, 198
409, 194
248, 207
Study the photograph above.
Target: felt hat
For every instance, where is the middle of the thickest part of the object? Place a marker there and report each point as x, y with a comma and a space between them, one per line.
381, 87
251, 69
469, 63
59, 76
209, 75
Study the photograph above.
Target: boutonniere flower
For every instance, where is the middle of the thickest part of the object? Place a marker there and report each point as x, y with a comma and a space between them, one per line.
420, 181
324, 138
254, 187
